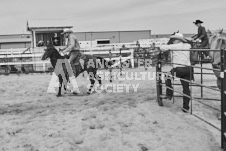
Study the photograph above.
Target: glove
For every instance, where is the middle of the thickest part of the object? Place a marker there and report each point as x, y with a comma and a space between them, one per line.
198, 40
61, 53
64, 53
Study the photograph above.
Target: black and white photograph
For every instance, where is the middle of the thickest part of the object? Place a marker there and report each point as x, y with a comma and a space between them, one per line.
113, 75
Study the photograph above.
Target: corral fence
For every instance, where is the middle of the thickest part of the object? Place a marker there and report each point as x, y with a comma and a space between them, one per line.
160, 74
28, 60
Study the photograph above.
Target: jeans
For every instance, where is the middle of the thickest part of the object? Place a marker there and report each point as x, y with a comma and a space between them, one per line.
185, 73
73, 59
205, 44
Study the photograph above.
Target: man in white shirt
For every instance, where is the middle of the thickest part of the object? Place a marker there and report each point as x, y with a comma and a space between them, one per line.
181, 66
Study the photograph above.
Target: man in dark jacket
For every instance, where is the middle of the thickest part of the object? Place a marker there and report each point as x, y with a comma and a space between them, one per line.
201, 36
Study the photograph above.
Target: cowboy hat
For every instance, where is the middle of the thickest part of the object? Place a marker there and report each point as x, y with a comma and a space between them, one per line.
178, 36
198, 21
67, 30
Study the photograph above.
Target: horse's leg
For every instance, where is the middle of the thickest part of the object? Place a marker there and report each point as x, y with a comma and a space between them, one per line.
66, 83
65, 88
92, 81
98, 78
217, 74
66, 79
60, 85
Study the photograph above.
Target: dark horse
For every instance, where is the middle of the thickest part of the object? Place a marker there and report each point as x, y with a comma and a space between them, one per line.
62, 67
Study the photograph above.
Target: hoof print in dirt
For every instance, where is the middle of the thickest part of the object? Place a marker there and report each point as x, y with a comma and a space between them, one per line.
77, 94
155, 122
143, 147
92, 127
78, 141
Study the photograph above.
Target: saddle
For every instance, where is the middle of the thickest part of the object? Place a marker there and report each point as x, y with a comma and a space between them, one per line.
81, 56
194, 55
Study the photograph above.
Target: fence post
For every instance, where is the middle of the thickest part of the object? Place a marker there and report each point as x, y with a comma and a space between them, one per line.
223, 100
145, 56
201, 76
120, 60
159, 80
132, 58
110, 69
83, 74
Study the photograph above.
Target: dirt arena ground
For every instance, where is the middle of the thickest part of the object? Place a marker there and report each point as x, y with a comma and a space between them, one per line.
34, 120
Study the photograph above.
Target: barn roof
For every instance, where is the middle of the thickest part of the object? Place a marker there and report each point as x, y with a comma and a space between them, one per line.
48, 23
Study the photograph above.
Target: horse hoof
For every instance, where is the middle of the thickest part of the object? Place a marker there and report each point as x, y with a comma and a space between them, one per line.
58, 95
75, 93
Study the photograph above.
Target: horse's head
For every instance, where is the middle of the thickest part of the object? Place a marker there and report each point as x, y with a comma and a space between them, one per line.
216, 41
214, 35
49, 52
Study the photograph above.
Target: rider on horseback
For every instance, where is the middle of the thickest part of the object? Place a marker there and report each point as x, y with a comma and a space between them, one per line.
72, 49
201, 36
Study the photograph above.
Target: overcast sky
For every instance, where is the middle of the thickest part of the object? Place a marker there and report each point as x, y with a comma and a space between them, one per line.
160, 16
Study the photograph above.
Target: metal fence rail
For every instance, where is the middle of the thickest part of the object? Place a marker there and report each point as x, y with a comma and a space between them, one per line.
222, 70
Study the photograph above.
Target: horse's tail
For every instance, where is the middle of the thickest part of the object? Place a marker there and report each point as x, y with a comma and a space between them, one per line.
107, 64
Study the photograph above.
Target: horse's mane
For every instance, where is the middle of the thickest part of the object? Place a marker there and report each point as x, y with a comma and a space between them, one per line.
220, 41
55, 51
215, 40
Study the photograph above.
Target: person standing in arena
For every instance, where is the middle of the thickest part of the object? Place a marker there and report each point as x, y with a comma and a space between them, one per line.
181, 67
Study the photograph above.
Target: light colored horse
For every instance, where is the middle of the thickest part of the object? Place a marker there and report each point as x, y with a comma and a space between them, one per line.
218, 42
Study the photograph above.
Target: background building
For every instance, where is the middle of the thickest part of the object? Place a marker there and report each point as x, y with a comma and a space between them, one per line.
15, 41
42, 30
114, 36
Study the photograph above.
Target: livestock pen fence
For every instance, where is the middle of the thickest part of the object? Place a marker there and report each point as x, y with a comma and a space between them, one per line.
28, 60
160, 75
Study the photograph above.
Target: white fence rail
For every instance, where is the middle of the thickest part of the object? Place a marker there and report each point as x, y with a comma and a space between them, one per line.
32, 56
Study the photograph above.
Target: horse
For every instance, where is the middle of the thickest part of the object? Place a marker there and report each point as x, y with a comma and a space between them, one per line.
216, 41
62, 67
